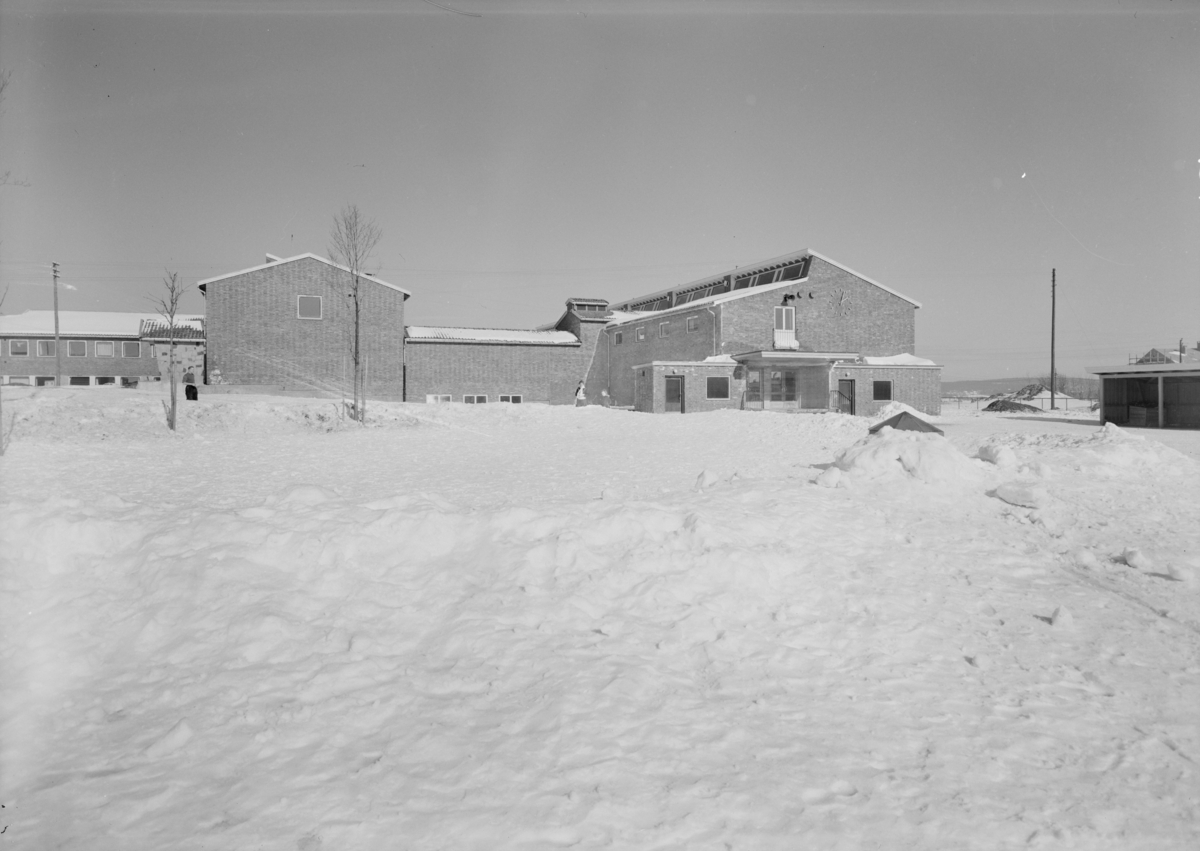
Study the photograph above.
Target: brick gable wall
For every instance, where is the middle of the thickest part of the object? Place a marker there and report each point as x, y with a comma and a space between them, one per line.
255, 336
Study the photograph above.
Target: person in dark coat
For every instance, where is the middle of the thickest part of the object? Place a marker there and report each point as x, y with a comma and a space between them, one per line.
189, 386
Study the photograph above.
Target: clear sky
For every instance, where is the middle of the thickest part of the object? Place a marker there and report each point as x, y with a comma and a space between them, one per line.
532, 150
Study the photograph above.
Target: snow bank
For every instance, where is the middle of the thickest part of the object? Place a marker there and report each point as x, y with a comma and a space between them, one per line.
893, 454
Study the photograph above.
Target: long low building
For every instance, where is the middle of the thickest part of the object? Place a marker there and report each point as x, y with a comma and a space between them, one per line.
1160, 389
97, 348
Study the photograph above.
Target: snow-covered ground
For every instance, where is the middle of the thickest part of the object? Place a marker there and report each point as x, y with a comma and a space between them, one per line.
520, 627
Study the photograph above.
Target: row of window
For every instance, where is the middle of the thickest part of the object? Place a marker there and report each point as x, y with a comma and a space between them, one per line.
664, 330
474, 398
73, 381
76, 349
789, 272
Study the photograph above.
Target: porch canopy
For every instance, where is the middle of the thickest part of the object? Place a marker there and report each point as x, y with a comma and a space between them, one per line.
789, 380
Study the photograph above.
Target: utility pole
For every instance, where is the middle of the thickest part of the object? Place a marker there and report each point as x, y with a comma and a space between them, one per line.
57, 346
1053, 306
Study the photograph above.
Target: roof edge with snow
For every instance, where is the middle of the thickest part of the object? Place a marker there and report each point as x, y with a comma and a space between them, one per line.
306, 256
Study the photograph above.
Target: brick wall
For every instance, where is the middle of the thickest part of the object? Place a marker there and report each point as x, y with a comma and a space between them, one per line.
651, 387
919, 387
615, 368
538, 373
835, 312
118, 367
255, 336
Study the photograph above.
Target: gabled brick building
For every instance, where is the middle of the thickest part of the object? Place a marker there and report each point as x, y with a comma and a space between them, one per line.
288, 324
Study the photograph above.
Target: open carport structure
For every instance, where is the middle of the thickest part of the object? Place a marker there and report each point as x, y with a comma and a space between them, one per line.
1161, 395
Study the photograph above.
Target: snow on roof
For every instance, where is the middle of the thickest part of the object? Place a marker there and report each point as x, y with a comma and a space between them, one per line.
84, 323
899, 360
427, 334
308, 256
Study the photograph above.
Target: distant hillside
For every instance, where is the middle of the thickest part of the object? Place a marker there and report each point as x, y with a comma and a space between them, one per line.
985, 386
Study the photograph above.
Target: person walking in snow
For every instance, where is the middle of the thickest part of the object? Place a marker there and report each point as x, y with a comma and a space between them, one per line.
189, 386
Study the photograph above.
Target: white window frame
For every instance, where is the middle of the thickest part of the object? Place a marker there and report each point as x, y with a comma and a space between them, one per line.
891, 390
438, 398
693, 324
73, 342
320, 305
475, 397
664, 330
728, 388
137, 343
789, 318
13, 354
514, 398
49, 347
112, 348
641, 334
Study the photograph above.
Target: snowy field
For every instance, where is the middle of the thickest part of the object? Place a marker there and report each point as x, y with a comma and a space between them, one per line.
525, 627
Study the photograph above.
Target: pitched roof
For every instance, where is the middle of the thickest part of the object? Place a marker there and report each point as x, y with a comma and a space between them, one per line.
83, 323
429, 334
904, 421
159, 329
308, 256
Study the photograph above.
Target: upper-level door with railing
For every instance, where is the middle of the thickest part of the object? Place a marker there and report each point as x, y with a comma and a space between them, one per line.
785, 328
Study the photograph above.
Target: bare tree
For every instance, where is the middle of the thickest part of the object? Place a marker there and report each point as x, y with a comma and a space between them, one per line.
6, 179
167, 305
351, 242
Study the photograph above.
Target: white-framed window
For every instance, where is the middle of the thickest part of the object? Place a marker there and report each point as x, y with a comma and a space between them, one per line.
619, 338
693, 324
105, 379
43, 380
18, 348
475, 400
641, 334
664, 329
308, 307
881, 391
131, 349
515, 398
19, 380
718, 387
785, 319
79, 381
77, 348
437, 398
45, 348
105, 349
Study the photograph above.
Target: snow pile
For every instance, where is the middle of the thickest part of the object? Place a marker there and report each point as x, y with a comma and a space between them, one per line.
312, 639
901, 455
893, 408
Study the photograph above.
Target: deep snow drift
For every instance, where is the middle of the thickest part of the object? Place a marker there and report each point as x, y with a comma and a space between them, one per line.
533, 627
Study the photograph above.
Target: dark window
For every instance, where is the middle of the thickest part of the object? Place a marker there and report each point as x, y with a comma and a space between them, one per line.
514, 398
131, 349
693, 324
308, 307
77, 348
44, 380
475, 400
882, 391
106, 380
792, 273
718, 387
125, 382
641, 334
754, 385
45, 348
618, 338
80, 381
664, 330
18, 348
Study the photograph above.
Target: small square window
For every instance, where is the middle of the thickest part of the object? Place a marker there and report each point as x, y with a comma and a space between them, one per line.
664, 330
105, 349
693, 324
641, 334
514, 398
77, 348
131, 349
475, 400
18, 348
718, 387
80, 381
308, 307
882, 391
45, 348
619, 338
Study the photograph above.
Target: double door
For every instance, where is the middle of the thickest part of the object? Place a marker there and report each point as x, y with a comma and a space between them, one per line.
773, 389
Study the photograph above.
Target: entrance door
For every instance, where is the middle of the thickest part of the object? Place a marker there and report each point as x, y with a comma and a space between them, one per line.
846, 396
674, 394
781, 389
